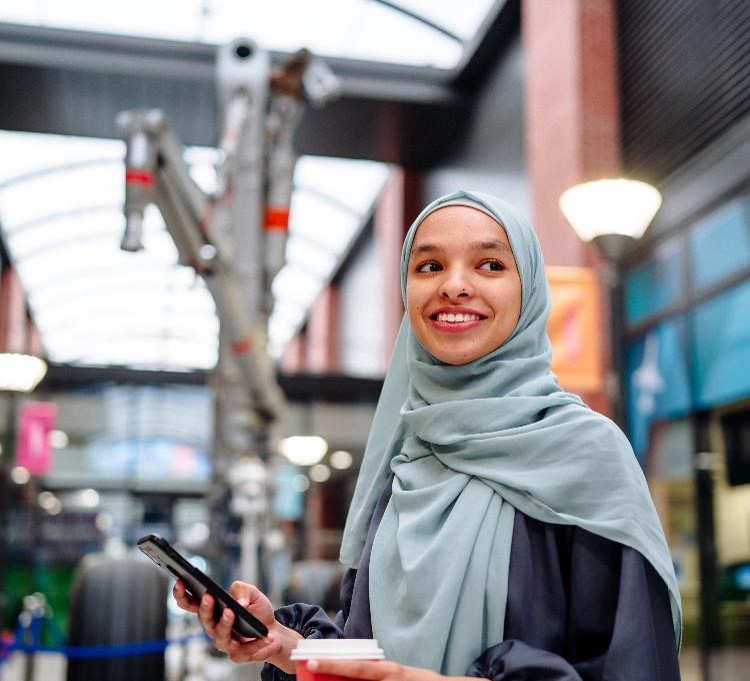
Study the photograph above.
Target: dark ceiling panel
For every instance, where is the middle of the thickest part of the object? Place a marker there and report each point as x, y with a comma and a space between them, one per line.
334, 388
685, 79
83, 102
70, 82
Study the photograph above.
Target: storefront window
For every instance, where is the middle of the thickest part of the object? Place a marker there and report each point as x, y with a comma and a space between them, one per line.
720, 244
656, 284
657, 377
671, 481
721, 333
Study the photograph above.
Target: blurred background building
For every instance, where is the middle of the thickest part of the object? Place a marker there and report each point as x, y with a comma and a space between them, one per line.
520, 98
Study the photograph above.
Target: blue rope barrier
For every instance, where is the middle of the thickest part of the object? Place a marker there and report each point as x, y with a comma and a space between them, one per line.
99, 651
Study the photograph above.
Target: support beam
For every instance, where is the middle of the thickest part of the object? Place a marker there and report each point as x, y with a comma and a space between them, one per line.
75, 83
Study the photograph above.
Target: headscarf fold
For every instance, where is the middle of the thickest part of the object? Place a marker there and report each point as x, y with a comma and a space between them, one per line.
468, 445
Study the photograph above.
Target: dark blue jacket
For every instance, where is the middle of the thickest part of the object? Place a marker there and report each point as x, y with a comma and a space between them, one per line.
579, 607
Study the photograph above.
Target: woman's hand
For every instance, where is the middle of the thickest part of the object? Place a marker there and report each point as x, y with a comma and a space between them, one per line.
274, 648
379, 670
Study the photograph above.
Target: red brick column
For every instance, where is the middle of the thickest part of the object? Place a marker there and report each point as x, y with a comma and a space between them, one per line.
388, 229
572, 110
293, 359
14, 324
572, 123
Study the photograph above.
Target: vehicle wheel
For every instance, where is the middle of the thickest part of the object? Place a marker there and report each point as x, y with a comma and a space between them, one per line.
117, 601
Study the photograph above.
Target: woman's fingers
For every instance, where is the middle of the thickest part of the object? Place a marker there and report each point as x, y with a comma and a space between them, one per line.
222, 630
224, 638
183, 598
206, 614
372, 670
242, 589
356, 669
252, 650
252, 599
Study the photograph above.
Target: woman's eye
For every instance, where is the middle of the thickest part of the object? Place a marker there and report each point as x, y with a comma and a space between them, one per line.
428, 267
492, 265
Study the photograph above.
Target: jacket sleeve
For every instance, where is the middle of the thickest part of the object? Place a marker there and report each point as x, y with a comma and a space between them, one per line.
312, 622
581, 607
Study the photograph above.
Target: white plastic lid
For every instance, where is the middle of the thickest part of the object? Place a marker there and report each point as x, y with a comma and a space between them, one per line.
338, 649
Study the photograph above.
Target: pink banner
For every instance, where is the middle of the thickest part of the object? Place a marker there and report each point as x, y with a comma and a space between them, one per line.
33, 448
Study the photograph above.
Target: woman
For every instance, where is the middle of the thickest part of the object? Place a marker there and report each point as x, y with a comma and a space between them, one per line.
499, 528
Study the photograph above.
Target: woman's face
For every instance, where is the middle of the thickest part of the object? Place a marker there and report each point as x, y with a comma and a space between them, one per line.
463, 290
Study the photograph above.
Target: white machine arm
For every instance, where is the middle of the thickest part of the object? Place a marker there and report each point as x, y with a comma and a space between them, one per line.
260, 111
156, 173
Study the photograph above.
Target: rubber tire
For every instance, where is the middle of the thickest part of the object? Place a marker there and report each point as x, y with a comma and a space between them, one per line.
117, 601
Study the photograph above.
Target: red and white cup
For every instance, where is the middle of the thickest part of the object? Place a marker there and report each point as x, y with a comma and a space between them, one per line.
333, 649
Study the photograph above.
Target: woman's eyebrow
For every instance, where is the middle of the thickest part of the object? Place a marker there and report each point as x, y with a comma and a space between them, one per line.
423, 248
492, 245
495, 245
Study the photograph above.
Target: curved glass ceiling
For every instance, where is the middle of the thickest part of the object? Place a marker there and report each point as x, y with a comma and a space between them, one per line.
415, 32
61, 215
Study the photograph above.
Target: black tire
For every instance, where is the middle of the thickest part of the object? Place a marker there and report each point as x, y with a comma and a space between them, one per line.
117, 601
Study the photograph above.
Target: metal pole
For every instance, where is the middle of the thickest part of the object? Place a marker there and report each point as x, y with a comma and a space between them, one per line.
611, 275
5, 457
705, 466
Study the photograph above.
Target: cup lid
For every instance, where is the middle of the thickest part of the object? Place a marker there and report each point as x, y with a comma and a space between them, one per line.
338, 649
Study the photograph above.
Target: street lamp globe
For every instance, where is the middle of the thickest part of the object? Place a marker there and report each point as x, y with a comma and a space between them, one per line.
611, 213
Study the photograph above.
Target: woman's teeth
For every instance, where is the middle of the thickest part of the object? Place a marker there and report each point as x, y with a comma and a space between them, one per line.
457, 317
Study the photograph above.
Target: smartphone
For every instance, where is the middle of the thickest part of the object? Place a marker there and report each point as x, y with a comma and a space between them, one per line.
197, 583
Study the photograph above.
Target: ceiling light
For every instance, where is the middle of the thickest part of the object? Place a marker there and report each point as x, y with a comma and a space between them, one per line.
303, 450
20, 475
58, 439
19, 372
341, 460
88, 498
320, 472
47, 500
300, 483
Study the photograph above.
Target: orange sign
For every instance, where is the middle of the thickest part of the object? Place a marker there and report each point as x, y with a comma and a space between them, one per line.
575, 328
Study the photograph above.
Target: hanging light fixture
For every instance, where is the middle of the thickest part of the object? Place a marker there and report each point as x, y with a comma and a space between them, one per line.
19, 372
611, 213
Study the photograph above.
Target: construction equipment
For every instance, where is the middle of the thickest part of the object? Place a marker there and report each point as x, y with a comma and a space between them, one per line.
235, 240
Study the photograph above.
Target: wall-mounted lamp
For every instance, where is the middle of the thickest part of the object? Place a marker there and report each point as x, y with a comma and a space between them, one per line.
19, 372
611, 213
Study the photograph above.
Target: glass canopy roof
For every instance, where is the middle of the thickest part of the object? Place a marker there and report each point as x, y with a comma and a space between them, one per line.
416, 32
61, 197
61, 214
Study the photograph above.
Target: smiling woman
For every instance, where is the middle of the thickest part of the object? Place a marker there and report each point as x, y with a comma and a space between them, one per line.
499, 528
463, 291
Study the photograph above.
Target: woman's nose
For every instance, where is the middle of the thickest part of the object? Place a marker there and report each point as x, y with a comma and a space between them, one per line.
454, 288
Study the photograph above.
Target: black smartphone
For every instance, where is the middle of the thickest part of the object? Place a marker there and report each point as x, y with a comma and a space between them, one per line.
197, 583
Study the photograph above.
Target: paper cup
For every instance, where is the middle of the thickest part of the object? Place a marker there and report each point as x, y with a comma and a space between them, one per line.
333, 649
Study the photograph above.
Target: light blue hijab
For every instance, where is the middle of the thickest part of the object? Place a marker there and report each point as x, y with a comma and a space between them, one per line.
469, 445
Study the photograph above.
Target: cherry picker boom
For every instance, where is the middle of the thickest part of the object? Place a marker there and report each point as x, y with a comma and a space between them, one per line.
234, 239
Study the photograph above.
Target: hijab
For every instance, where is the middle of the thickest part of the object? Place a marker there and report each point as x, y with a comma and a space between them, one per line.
468, 446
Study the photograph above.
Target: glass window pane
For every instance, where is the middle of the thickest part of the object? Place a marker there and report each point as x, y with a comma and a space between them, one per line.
720, 244
358, 29
654, 285
657, 380
721, 331
88, 297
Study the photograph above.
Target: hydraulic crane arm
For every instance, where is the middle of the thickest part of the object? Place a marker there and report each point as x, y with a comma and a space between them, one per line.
156, 173
236, 239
